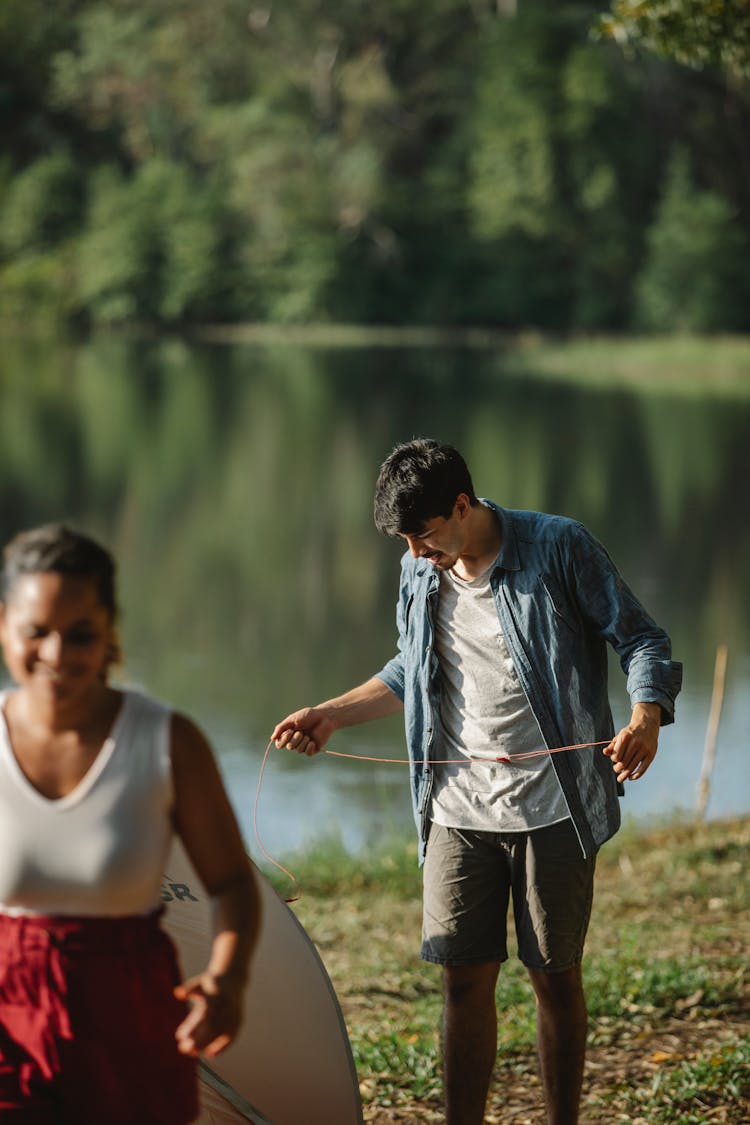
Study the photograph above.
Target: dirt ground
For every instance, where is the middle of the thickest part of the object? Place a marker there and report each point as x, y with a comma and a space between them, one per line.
515, 1099
691, 879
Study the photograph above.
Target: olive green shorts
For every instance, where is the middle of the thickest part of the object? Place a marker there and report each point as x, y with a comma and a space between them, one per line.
470, 877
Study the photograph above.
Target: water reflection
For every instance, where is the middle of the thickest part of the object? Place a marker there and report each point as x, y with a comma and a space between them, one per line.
235, 485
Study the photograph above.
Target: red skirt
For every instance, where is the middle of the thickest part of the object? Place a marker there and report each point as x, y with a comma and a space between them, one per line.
87, 1024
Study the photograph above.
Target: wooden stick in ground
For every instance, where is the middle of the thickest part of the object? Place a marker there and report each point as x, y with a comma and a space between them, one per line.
712, 729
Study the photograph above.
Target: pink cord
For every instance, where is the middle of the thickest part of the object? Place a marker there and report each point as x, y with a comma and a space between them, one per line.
398, 762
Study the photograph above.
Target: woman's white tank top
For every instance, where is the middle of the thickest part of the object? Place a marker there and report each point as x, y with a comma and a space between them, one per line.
101, 849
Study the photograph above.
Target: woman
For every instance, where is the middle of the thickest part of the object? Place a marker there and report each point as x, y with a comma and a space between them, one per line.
95, 1028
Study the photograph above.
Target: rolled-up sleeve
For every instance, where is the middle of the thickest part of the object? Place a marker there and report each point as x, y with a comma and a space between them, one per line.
655, 681
392, 675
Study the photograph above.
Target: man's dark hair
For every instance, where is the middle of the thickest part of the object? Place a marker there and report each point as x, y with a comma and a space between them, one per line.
55, 548
417, 482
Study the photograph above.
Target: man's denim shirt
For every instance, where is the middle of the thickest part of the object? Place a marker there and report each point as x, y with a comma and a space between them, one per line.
559, 598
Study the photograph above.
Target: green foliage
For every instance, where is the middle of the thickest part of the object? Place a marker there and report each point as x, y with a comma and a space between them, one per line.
152, 246
512, 160
134, 72
115, 252
41, 205
697, 33
31, 34
41, 211
399, 1062
392, 162
696, 1091
556, 178
619, 989
36, 288
328, 868
695, 277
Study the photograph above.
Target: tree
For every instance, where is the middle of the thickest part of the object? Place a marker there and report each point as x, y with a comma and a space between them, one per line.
696, 33
695, 278
388, 161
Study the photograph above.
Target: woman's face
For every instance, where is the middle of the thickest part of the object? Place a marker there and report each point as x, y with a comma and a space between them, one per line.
56, 636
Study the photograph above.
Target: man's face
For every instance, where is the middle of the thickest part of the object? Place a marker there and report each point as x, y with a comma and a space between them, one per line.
441, 541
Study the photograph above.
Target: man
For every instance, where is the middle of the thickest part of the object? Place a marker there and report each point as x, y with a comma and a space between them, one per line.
503, 618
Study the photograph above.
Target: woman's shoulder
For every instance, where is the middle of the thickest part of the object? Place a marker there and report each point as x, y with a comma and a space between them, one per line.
139, 706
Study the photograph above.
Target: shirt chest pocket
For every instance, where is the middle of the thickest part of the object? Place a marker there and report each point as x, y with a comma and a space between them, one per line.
556, 602
417, 630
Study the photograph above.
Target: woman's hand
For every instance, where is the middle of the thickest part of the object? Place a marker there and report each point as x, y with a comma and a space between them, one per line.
215, 1014
205, 821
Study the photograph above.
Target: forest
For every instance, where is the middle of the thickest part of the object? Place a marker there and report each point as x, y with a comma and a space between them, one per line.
539, 164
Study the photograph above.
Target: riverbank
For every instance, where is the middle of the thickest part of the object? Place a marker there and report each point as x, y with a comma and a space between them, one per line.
666, 979
677, 363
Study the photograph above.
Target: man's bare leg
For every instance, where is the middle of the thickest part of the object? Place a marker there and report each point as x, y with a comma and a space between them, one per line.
469, 1040
561, 1041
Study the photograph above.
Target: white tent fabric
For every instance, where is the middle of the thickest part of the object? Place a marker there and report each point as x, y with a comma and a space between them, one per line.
217, 1109
292, 1058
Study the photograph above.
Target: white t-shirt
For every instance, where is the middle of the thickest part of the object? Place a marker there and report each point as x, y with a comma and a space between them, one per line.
484, 713
101, 849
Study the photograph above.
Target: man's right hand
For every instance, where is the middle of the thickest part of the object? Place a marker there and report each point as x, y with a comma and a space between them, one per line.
305, 731
308, 730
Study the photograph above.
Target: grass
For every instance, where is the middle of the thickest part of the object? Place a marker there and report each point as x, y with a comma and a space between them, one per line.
693, 1092
665, 973
679, 363
684, 364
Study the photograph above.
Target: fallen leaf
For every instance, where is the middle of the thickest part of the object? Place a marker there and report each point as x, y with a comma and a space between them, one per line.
689, 1001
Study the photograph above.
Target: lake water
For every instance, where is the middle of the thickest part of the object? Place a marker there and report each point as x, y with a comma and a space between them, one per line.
234, 483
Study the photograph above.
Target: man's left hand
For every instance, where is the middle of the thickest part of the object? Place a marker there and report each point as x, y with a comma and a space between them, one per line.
633, 749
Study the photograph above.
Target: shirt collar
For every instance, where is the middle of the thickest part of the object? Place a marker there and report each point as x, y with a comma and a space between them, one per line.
507, 557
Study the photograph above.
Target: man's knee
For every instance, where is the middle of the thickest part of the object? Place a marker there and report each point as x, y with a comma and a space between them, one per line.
558, 990
470, 984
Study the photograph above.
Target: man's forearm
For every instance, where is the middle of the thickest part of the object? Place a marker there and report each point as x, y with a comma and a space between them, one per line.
307, 731
646, 714
370, 700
